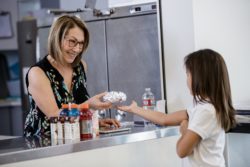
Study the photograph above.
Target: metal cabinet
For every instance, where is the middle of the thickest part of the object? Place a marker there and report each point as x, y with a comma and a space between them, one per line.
27, 34
43, 34
124, 56
133, 56
96, 59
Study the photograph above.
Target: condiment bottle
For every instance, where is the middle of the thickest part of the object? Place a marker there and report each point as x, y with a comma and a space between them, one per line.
67, 124
53, 128
61, 121
86, 124
74, 121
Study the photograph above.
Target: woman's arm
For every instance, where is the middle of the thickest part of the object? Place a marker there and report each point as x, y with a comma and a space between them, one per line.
41, 91
96, 102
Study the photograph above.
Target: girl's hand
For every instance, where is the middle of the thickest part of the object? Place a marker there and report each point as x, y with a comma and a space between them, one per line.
130, 108
183, 126
107, 122
96, 102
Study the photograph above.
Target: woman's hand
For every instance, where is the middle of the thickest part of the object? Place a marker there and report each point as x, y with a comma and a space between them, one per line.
107, 122
183, 126
96, 103
131, 108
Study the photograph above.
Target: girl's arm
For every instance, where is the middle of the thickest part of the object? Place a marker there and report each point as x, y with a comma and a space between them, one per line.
188, 140
155, 116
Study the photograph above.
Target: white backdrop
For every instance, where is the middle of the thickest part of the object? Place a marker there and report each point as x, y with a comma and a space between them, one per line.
222, 25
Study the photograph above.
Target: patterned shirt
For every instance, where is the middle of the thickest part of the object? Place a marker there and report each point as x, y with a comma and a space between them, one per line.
37, 123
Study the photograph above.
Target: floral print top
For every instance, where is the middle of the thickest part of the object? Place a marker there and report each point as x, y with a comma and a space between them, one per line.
37, 123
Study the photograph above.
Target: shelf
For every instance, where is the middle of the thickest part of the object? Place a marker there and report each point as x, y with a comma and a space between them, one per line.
10, 102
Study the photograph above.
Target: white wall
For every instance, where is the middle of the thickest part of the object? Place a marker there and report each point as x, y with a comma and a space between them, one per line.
222, 25
178, 38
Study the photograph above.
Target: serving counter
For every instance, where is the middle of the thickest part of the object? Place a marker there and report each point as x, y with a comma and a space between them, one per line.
109, 149
141, 146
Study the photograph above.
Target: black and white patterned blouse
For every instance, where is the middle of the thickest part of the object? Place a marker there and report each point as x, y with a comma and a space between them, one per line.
37, 123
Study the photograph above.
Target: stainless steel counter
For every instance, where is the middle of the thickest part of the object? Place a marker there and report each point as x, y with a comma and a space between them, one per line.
22, 149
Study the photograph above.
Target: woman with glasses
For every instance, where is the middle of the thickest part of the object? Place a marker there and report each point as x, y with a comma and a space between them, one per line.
59, 78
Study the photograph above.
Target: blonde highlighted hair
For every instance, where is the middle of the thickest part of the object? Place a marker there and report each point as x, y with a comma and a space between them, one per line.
59, 30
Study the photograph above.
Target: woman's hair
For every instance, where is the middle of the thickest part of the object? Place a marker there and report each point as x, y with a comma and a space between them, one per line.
59, 30
210, 83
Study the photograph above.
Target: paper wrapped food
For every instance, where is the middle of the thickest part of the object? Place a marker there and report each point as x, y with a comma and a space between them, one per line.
115, 97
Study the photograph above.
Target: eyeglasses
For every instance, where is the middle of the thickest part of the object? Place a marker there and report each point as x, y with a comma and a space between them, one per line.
73, 43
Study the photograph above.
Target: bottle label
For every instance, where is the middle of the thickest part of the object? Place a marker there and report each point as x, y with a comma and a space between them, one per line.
86, 127
95, 123
68, 131
60, 130
147, 102
75, 130
53, 130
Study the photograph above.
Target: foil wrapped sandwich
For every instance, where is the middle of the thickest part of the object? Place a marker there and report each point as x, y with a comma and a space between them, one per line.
115, 98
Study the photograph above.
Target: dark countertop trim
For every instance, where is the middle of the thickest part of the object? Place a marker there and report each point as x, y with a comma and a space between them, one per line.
241, 128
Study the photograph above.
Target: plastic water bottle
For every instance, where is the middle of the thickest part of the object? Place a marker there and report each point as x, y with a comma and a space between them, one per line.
148, 100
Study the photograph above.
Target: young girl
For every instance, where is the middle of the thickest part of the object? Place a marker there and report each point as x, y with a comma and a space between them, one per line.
202, 127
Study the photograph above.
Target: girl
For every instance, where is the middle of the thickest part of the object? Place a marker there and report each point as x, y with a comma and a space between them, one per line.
202, 127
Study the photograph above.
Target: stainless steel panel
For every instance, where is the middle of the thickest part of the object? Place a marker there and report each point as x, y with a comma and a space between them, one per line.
23, 149
133, 57
237, 149
43, 34
27, 34
96, 59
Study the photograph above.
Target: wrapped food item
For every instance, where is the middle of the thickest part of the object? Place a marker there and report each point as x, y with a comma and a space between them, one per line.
115, 97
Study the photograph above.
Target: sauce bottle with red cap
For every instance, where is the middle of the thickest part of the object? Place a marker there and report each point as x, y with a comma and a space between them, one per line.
86, 123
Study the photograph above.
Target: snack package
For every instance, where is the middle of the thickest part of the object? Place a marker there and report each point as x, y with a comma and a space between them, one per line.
115, 97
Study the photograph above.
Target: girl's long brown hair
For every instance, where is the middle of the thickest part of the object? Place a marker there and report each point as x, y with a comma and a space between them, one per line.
210, 80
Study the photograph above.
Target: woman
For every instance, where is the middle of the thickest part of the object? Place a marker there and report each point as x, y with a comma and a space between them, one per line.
60, 77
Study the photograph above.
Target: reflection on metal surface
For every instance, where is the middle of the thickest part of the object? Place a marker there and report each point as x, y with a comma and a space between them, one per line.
120, 115
102, 113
